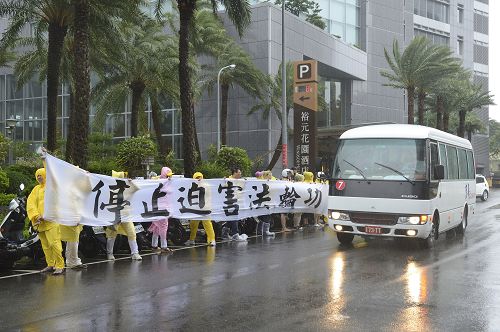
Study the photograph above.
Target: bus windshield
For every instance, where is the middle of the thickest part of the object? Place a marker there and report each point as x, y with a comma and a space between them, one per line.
392, 159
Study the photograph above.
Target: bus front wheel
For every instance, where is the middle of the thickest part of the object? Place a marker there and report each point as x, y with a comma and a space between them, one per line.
431, 239
345, 238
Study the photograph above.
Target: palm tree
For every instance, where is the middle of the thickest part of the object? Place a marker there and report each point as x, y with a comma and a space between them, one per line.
418, 60
470, 97
272, 102
239, 13
246, 75
7, 57
473, 125
135, 67
54, 17
443, 65
91, 17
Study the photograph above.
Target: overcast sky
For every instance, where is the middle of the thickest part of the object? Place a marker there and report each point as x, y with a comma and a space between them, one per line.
494, 56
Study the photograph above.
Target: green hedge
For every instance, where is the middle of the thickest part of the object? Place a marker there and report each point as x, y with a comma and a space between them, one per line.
212, 170
102, 166
16, 178
4, 181
6, 198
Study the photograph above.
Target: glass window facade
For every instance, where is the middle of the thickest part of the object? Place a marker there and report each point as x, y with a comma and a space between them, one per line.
342, 18
433, 9
435, 36
331, 111
28, 105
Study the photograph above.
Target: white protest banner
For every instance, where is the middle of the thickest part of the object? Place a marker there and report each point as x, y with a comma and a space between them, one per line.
74, 196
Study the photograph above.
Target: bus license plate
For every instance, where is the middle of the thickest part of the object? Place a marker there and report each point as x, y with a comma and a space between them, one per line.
139, 228
373, 230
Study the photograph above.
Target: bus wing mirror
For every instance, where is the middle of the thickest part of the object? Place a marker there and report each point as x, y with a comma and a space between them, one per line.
438, 172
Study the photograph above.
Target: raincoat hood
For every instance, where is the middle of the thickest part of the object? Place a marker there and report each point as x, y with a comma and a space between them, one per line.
198, 175
308, 177
299, 177
166, 172
120, 175
41, 171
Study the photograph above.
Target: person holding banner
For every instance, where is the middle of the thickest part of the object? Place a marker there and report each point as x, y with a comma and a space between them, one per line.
297, 217
48, 231
123, 228
159, 227
207, 224
285, 174
233, 234
264, 221
71, 235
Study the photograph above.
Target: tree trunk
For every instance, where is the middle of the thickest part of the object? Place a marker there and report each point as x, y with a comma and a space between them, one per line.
71, 127
421, 107
446, 121
469, 136
186, 11
461, 123
223, 113
81, 77
439, 112
196, 141
155, 115
56, 41
411, 102
137, 91
276, 155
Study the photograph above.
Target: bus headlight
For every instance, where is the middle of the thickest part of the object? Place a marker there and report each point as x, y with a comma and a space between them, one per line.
337, 215
413, 220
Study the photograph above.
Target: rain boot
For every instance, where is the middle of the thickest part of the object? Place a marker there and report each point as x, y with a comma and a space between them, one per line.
266, 231
260, 225
110, 243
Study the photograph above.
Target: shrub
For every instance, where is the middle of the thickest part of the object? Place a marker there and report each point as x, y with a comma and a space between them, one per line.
28, 170
102, 166
230, 157
6, 198
169, 160
4, 181
132, 152
101, 146
212, 170
4, 148
16, 178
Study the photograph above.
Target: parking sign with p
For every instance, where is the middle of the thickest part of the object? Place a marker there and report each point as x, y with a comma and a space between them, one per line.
305, 71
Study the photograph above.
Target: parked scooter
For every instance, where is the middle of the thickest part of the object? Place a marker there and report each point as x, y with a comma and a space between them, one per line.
178, 231
93, 240
13, 242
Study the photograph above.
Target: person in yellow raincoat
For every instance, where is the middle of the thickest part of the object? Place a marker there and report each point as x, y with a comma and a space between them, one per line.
123, 228
207, 224
311, 217
48, 231
71, 235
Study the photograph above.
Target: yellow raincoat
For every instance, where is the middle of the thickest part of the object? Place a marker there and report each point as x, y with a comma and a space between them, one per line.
308, 177
207, 224
49, 232
123, 228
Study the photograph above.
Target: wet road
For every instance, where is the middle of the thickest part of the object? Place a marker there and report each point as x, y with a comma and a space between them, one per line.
296, 281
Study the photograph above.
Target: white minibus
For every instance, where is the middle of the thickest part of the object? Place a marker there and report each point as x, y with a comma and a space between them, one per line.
398, 180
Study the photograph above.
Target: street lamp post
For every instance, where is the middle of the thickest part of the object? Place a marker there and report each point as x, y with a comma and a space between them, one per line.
218, 104
284, 124
11, 130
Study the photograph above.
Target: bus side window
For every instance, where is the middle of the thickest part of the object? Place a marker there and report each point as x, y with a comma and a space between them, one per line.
462, 164
443, 159
451, 153
470, 165
434, 159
